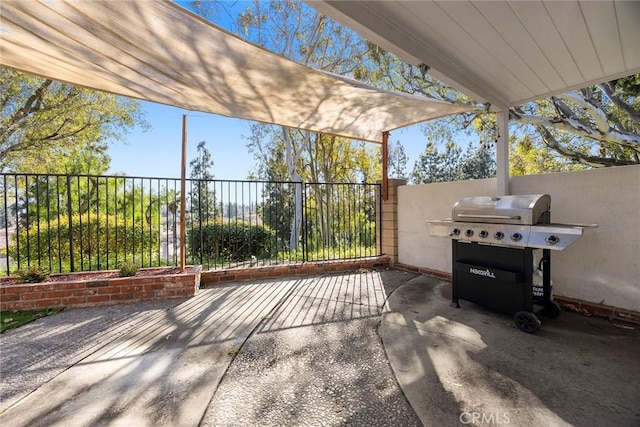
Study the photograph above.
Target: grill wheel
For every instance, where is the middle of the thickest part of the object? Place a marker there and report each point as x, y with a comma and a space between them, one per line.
527, 322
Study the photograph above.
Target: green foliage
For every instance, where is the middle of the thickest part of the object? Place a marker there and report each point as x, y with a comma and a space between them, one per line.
33, 274
525, 158
47, 126
397, 161
202, 196
128, 269
98, 241
14, 319
229, 241
453, 164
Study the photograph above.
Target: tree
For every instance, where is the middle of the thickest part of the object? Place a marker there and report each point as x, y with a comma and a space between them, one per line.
478, 162
452, 164
526, 158
595, 126
397, 161
299, 32
202, 196
44, 121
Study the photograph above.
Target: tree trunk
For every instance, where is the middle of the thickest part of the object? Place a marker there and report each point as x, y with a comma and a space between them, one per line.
294, 239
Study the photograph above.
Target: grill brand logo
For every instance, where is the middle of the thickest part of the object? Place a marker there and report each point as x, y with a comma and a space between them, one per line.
479, 272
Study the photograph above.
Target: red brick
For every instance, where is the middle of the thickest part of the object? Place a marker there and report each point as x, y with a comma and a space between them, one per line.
131, 288
121, 297
168, 293
10, 297
57, 294
97, 298
185, 292
176, 285
19, 289
47, 302
82, 292
144, 294
72, 285
19, 305
73, 300
121, 281
109, 290
31, 295
153, 286
97, 283
628, 316
43, 288
598, 310
143, 280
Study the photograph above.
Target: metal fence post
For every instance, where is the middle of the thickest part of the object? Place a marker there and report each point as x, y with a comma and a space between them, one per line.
72, 263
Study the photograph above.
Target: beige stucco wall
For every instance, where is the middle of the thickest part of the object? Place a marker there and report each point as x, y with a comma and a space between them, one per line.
602, 267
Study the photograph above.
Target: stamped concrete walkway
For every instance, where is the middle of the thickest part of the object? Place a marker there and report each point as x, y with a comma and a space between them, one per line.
313, 356
471, 366
164, 371
368, 348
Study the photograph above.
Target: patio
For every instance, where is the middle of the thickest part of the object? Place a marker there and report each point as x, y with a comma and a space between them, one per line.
375, 348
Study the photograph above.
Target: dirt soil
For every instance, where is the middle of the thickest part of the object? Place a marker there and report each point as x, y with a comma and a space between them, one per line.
94, 275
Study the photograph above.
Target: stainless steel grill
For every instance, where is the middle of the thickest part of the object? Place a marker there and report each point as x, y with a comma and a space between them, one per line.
512, 221
493, 239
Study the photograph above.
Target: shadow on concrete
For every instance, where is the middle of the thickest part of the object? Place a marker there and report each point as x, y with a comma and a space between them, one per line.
310, 351
40, 350
162, 372
316, 360
458, 366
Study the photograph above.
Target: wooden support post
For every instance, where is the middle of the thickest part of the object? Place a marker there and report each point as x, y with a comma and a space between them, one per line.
183, 198
385, 165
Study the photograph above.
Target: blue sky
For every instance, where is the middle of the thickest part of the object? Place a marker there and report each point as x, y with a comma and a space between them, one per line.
157, 152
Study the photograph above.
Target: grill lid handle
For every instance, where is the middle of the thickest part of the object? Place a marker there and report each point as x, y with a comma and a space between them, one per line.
489, 216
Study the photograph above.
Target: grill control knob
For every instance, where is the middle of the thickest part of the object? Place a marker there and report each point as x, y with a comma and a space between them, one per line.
468, 233
516, 237
484, 234
454, 232
552, 240
499, 235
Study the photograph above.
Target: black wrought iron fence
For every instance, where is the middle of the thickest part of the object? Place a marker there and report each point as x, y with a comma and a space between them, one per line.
88, 222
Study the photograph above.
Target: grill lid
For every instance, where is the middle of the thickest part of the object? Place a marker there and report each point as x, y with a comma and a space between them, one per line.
514, 209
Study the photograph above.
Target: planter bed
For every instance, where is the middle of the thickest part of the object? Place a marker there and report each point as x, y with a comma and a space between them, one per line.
89, 289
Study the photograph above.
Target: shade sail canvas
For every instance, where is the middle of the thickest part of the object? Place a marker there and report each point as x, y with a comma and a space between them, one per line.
160, 52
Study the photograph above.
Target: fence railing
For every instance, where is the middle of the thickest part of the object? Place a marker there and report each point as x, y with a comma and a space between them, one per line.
88, 222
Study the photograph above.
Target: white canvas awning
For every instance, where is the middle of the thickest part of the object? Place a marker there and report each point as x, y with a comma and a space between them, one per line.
160, 52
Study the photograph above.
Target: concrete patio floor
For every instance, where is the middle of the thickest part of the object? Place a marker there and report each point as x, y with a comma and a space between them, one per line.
367, 348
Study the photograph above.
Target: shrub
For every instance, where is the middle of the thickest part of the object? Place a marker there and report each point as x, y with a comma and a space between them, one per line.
94, 239
33, 274
128, 269
231, 241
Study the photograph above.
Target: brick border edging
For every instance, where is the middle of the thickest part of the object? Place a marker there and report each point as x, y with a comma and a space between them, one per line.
306, 268
99, 292
427, 271
594, 309
573, 304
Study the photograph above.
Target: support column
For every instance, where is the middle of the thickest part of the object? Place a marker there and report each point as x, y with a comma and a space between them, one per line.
183, 198
387, 220
502, 152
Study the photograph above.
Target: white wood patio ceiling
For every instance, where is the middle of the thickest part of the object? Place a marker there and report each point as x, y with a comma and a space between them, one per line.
503, 52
